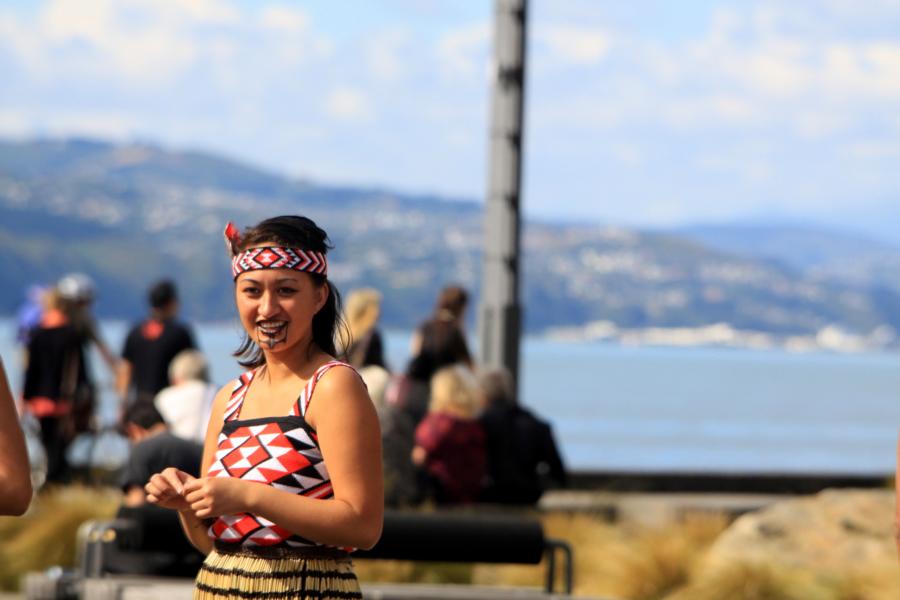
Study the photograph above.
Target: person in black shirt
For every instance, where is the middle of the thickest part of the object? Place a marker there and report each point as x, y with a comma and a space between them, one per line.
154, 448
436, 343
163, 549
522, 456
151, 345
55, 373
77, 294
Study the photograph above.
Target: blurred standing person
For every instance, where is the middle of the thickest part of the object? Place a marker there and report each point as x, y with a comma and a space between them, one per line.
15, 471
77, 292
450, 441
436, 343
366, 350
522, 457
186, 404
29, 314
151, 345
55, 372
443, 334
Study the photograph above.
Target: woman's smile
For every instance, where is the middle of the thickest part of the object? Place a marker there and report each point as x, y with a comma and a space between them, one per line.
271, 332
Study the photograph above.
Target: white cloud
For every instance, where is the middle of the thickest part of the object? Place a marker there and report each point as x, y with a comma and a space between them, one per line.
459, 49
746, 169
873, 150
148, 44
574, 45
607, 87
348, 104
387, 54
284, 19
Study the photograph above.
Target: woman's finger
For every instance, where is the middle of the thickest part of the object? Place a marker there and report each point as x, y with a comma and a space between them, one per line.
171, 476
192, 485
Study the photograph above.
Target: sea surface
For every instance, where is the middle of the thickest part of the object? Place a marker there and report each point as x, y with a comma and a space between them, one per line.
652, 409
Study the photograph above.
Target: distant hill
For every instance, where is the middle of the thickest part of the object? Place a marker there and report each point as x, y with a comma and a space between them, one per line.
819, 253
128, 214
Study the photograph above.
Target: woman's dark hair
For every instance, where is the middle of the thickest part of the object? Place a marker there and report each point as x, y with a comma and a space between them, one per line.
303, 233
451, 302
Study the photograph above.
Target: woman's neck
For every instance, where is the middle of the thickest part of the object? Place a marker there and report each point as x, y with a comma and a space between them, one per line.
300, 363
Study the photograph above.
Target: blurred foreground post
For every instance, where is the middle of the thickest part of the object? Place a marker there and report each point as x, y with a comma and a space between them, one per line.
501, 313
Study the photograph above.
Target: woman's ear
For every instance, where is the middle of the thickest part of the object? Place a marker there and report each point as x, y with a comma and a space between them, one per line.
324, 291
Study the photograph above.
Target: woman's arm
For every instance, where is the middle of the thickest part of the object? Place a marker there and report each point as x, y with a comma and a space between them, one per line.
347, 427
109, 357
15, 471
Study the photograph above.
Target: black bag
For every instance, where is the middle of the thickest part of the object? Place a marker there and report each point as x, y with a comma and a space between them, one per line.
81, 396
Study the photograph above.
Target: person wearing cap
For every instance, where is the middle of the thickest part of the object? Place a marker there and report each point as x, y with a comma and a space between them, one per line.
151, 345
77, 292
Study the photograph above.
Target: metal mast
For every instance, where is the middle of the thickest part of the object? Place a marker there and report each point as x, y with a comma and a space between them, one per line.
501, 312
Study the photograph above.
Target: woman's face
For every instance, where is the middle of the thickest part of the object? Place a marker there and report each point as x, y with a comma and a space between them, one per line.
276, 307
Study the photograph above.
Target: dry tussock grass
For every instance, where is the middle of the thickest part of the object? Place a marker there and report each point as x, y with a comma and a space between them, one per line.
611, 560
772, 581
46, 535
756, 582
625, 561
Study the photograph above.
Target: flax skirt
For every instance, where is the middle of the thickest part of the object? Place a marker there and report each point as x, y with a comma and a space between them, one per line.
242, 574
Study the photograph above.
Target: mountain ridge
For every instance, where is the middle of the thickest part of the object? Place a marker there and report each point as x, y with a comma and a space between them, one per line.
128, 214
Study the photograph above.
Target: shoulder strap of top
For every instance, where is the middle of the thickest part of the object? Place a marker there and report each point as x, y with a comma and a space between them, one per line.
305, 398
233, 407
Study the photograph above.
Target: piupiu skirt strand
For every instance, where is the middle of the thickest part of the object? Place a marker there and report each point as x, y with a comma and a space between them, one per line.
276, 573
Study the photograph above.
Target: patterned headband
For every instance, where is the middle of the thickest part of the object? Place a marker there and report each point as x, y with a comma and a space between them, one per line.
273, 257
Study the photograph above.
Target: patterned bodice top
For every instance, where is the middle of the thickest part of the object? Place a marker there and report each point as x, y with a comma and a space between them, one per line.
279, 451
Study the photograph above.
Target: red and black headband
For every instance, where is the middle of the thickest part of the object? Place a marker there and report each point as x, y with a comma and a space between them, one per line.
272, 257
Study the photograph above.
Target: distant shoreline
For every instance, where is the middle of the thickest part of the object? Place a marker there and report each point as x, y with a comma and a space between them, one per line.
722, 335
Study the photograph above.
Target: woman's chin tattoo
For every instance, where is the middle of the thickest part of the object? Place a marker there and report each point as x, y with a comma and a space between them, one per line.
273, 336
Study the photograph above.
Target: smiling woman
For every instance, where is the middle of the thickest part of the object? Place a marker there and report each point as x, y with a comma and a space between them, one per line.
319, 461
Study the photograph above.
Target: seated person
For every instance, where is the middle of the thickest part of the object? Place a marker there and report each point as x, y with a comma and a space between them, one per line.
162, 548
450, 441
522, 458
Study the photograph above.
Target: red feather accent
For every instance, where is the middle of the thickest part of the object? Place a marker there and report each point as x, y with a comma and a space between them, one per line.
232, 237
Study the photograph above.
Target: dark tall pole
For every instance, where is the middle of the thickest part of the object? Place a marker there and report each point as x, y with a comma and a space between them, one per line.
501, 312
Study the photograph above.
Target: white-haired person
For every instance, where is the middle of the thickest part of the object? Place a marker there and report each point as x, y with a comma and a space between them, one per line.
187, 403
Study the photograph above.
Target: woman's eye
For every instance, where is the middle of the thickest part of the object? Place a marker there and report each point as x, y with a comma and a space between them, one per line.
286, 291
251, 291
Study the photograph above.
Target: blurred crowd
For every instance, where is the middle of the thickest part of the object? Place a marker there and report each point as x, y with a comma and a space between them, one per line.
452, 432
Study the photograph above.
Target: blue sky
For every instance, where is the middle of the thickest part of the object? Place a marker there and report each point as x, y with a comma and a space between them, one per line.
652, 113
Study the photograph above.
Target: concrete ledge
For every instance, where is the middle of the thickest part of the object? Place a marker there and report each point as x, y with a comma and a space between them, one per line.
711, 481
653, 507
153, 588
